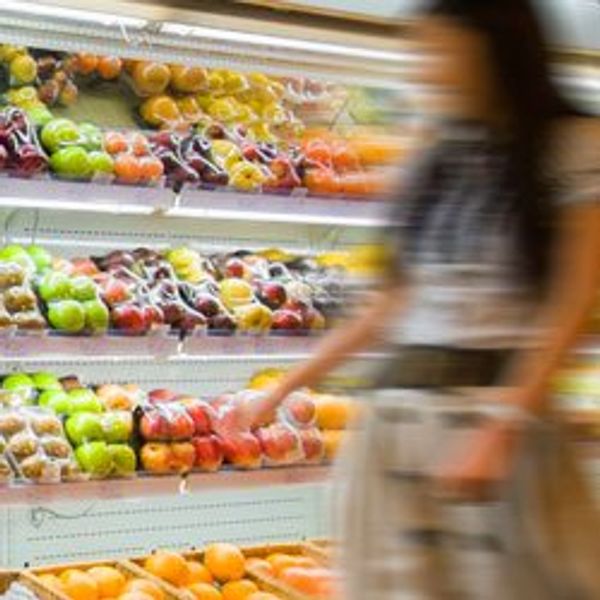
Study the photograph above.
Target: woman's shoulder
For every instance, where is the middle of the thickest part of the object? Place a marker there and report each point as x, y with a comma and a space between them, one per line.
574, 160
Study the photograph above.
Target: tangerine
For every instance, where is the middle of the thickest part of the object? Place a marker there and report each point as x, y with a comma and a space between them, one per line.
139, 144
204, 591
145, 586
109, 67
260, 565
110, 581
198, 573
135, 596
115, 142
87, 63
52, 582
238, 590
279, 562
78, 585
128, 168
170, 566
152, 168
225, 561
263, 596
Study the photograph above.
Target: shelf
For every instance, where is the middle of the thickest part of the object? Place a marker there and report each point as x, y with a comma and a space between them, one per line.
144, 486
94, 197
272, 208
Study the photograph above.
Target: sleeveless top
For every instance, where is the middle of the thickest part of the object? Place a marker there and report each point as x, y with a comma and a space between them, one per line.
461, 253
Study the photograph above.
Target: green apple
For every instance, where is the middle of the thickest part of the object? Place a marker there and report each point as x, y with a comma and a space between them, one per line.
56, 400
54, 286
18, 381
82, 288
123, 458
46, 381
41, 257
17, 254
58, 133
67, 315
84, 400
95, 458
92, 136
97, 316
40, 115
72, 162
102, 162
84, 427
117, 427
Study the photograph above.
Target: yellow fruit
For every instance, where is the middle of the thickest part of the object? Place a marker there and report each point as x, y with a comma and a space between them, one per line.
170, 566
110, 581
23, 69
151, 78
188, 79
333, 412
198, 573
332, 440
78, 585
205, 591
238, 590
225, 561
160, 110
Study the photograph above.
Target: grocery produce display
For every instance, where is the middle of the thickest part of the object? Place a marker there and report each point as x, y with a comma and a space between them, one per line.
220, 571
135, 291
55, 429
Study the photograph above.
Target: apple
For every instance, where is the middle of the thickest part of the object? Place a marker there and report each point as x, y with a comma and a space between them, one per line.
242, 450
84, 400
183, 457
59, 132
209, 452
123, 458
46, 381
156, 457
300, 408
287, 320
235, 292
272, 293
160, 396
115, 291
95, 458
67, 315
97, 316
116, 397
41, 257
246, 176
181, 425
223, 323
192, 320
55, 286
101, 162
154, 426
207, 304
84, 427
314, 319
235, 267
129, 318
201, 413
72, 162
55, 399
312, 444
118, 427
279, 443
82, 288
18, 381
253, 318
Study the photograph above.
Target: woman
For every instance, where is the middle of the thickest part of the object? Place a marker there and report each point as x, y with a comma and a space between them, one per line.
496, 269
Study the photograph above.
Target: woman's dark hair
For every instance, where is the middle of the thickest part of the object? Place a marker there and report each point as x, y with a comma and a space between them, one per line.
519, 59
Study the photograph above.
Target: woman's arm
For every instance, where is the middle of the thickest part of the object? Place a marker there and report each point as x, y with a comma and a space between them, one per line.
574, 291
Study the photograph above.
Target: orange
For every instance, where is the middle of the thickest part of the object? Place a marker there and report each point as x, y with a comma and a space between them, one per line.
109, 67
151, 78
52, 582
198, 573
260, 565
139, 144
170, 566
110, 581
152, 168
280, 561
225, 561
145, 586
160, 110
239, 590
115, 142
205, 591
333, 412
263, 596
78, 585
135, 596
128, 168
307, 581
87, 63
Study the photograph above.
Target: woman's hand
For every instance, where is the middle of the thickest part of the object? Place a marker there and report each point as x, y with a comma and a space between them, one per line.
481, 465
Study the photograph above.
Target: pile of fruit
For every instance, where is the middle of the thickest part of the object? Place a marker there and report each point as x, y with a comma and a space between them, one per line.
112, 430
133, 292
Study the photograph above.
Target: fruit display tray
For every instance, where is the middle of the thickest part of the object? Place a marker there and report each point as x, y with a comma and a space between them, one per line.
30, 578
9, 577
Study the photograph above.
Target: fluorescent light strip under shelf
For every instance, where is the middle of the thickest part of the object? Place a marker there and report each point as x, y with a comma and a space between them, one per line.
87, 206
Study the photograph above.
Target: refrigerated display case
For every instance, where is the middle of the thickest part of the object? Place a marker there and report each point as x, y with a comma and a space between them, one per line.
346, 97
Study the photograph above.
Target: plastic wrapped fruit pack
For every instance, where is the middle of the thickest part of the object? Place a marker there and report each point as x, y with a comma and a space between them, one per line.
18, 302
6, 473
17, 591
36, 445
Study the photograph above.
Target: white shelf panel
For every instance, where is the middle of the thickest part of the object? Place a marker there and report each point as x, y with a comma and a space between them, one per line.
144, 486
272, 208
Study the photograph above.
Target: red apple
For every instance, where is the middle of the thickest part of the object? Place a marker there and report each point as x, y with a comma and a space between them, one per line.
208, 305
300, 408
287, 320
201, 413
279, 443
161, 396
156, 458
209, 452
129, 318
183, 457
154, 426
272, 293
312, 444
181, 425
84, 266
235, 267
242, 450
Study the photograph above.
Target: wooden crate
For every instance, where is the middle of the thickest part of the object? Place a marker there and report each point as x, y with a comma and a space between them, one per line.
30, 577
8, 577
321, 550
